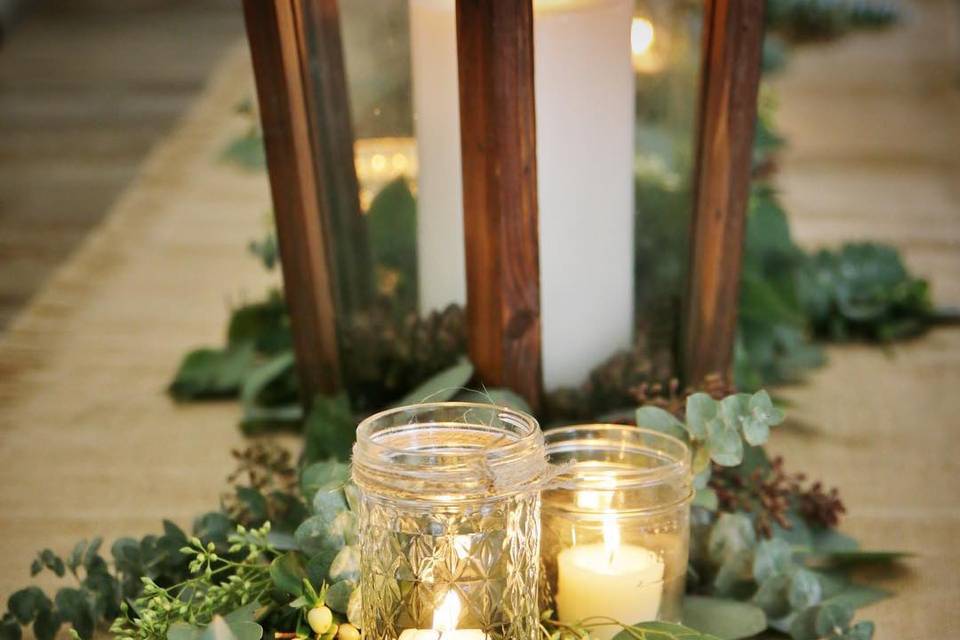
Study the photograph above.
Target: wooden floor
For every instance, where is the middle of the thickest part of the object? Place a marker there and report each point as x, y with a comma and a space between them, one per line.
87, 87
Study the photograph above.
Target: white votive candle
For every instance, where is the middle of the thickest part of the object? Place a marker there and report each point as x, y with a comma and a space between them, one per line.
609, 580
445, 620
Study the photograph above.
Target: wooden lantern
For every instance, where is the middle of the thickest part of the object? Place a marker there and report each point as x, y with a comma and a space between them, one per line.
298, 60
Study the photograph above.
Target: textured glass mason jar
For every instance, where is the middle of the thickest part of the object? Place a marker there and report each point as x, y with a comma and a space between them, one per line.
616, 526
449, 521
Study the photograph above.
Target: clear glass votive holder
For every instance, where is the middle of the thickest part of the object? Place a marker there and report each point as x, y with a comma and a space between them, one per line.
449, 522
616, 526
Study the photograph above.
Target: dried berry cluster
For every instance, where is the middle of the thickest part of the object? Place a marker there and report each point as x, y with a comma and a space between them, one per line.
266, 468
771, 493
387, 352
671, 397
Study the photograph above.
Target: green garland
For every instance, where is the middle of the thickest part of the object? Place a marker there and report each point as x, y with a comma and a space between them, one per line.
239, 577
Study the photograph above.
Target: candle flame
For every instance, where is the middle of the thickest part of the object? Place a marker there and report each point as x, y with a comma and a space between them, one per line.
611, 537
642, 36
445, 618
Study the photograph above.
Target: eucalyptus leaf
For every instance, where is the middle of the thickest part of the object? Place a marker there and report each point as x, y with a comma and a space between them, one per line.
46, 625
287, 572
734, 573
701, 410
732, 534
497, 397
26, 603
10, 628
392, 234
327, 505
660, 420
706, 499
833, 618
346, 564
338, 595
723, 618
327, 475
270, 382
345, 524
443, 386
701, 457
246, 151
857, 596
657, 630
772, 557
702, 478
213, 373
805, 590
315, 538
830, 540
771, 596
856, 557
245, 613
803, 625
861, 631
218, 629
183, 631
329, 430
726, 446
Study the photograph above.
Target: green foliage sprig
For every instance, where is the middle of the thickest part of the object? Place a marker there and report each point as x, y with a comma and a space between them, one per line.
817, 20
99, 588
553, 630
863, 291
231, 584
716, 430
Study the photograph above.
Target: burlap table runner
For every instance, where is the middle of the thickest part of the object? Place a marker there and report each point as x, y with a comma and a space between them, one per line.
91, 445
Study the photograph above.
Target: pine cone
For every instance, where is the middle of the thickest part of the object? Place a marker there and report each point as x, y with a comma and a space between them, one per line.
386, 352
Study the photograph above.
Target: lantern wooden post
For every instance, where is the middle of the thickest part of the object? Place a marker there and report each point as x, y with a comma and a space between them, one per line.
300, 185
498, 146
733, 40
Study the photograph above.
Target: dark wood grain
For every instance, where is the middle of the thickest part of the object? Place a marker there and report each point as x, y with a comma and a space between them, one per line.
733, 37
498, 145
275, 30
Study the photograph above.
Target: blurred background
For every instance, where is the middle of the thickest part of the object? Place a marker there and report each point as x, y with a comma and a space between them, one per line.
133, 193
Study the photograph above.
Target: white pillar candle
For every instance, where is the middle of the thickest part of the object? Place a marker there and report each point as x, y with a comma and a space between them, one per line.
609, 580
436, 108
584, 108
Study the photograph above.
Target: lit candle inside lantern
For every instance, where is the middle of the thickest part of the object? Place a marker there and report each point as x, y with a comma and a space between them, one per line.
584, 85
646, 58
445, 620
609, 579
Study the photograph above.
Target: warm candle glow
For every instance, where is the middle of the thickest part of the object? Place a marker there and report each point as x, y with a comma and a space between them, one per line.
646, 52
641, 36
611, 537
446, 617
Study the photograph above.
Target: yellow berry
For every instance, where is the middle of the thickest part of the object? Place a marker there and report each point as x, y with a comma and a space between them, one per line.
331, 632
320, 619
348, 632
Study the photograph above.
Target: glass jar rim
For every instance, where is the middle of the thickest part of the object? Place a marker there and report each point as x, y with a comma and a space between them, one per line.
590, 439
407, 451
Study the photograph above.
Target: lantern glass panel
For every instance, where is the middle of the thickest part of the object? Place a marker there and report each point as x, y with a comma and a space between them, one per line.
616, 85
